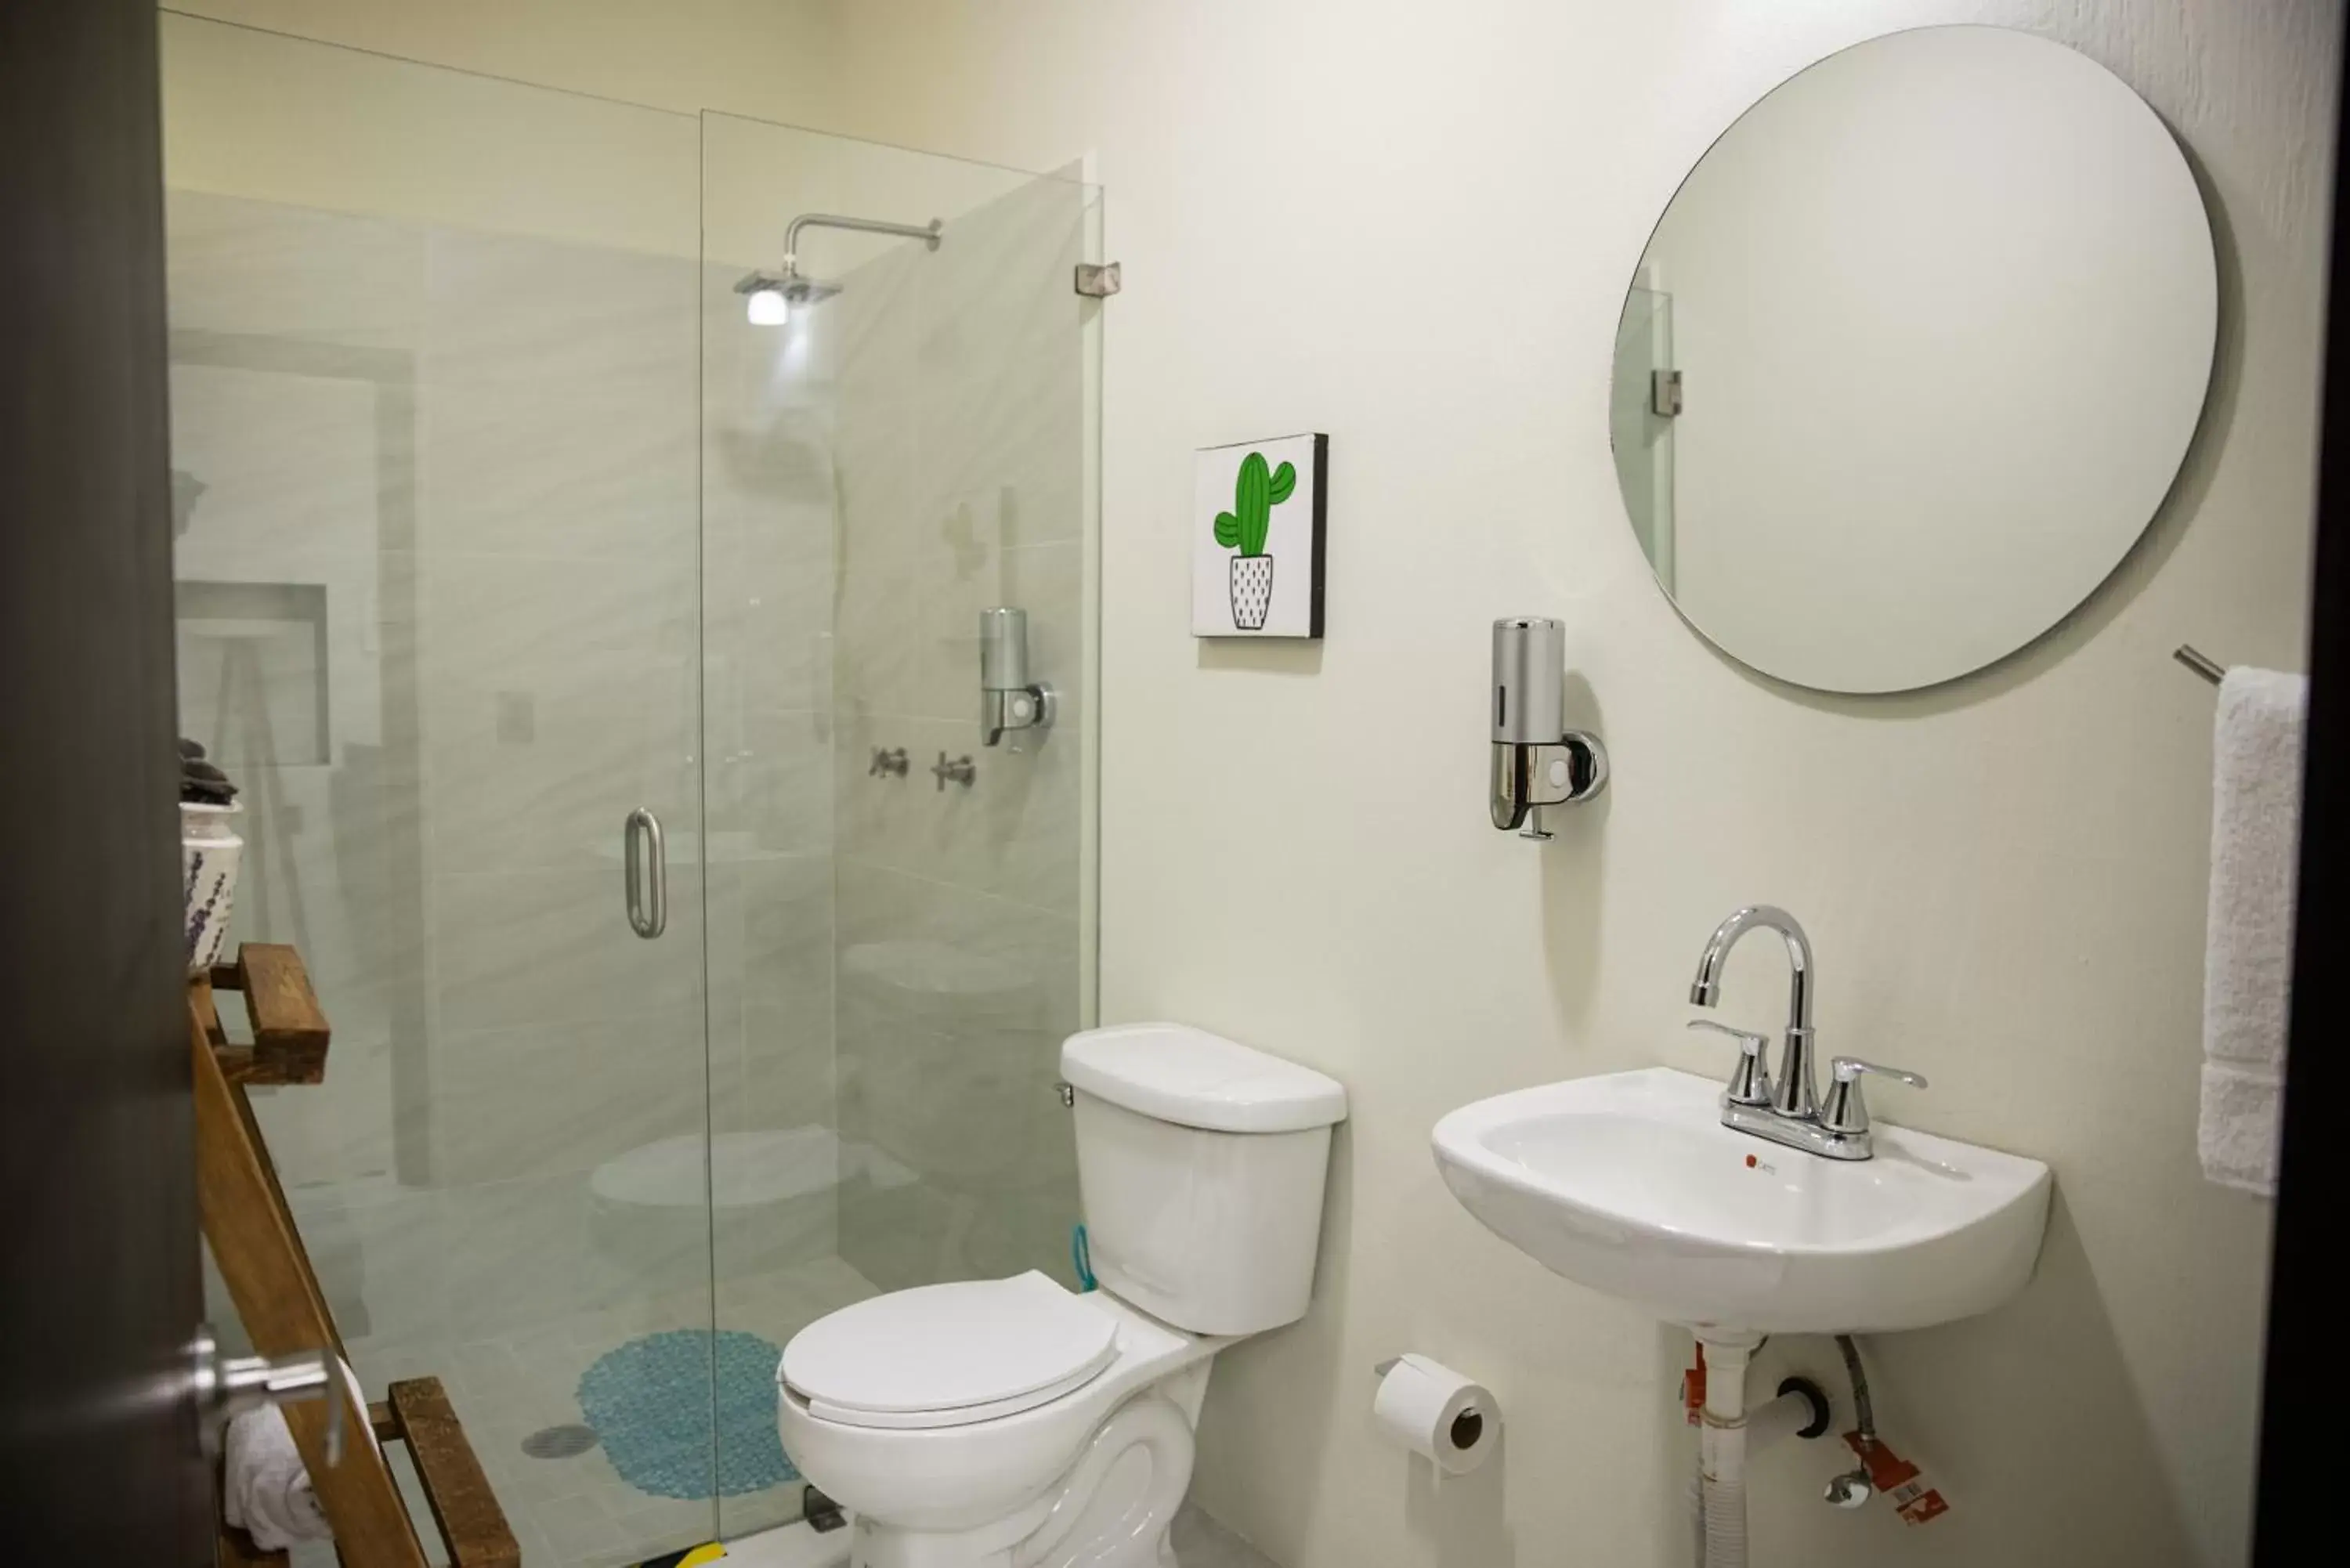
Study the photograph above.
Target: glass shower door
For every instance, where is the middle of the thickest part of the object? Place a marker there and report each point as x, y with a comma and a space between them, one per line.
498, 520
435, 451
901, 912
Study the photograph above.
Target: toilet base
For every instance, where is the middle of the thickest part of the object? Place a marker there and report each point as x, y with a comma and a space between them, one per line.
1114, 1509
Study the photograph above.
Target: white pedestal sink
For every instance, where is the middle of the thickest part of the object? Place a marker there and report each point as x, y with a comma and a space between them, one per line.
1630, 1184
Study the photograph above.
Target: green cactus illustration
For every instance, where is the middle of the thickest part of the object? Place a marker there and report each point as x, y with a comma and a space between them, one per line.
1255, 495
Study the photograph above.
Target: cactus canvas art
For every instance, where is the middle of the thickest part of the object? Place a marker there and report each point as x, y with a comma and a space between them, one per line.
1259, 518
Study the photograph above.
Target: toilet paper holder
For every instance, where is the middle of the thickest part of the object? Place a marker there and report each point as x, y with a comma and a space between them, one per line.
1467, 1426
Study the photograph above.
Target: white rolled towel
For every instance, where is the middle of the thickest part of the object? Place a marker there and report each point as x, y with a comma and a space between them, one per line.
2248, 963
265, 1490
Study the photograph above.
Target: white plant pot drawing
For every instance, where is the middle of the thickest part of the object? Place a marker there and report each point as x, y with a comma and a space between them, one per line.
1252, 591
1257, 491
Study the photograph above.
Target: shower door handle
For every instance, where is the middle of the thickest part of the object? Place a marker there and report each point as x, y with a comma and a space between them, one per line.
646, 864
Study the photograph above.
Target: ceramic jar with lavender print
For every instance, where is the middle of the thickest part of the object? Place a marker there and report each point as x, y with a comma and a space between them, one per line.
210, 848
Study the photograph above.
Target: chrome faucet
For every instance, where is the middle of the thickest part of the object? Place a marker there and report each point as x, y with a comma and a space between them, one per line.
1797, 1095
1786, 1109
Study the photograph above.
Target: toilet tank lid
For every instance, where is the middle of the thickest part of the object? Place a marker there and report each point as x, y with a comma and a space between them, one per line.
1179, 1074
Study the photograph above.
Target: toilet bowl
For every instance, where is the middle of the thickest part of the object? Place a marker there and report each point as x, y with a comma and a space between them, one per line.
1016, 1423
978, 1483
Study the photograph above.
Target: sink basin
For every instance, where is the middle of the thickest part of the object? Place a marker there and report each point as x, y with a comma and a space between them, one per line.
1630, 1184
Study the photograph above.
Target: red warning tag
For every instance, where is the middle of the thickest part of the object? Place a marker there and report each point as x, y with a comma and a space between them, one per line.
1693, 1390
1915, 1498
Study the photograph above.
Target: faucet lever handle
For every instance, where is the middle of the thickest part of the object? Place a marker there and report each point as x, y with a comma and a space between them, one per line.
1847, 1110
1749, 1081
1847, 1068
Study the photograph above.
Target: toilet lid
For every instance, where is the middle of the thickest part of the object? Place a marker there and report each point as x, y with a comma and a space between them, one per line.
947, 1356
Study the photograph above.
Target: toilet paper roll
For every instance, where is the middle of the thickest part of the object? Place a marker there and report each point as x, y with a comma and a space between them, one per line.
1433, 1410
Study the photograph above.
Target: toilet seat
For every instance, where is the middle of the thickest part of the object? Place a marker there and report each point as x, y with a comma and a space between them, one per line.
950, 1355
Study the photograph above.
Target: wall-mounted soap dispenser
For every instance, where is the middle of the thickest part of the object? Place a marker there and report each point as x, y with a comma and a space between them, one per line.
1537, 759
1007, 698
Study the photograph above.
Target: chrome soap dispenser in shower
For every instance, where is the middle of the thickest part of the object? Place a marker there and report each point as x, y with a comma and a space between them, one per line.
1537, 759
1008, 699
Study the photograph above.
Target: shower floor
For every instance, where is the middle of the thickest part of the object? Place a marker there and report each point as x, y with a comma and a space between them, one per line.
577, 1512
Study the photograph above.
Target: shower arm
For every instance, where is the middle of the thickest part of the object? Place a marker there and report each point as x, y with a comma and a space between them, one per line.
927, 232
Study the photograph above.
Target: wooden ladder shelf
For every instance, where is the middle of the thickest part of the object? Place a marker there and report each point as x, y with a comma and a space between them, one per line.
261, 1258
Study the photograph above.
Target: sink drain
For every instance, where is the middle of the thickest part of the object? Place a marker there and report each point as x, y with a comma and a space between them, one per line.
559, 1442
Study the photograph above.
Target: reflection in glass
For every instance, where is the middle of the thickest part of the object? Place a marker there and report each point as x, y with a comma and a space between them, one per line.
1641, 436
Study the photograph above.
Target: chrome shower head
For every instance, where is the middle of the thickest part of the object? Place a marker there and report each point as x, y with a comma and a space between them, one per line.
772, 295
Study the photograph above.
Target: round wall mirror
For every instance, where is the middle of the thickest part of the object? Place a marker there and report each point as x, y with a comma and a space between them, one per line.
1913, 358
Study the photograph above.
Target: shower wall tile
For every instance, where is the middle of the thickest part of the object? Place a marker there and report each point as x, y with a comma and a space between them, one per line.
1016, 839
566, 624
771, 948
767, 624
768, 484
873, 813
557, 695
787, 928
544, 1099
768, 416
560, 410
770, 782
870, 334
517, 1252
996, 359
276, 461
556, 800
961, 958
879, 483
790, 1076
380, 1255
536, 1250
552, 947
259, 270
951, 1009
1013, 833
879, 631
1010, 429
971, 1111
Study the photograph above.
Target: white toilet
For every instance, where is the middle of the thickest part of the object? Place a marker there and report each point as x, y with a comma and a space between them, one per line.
1010, 1424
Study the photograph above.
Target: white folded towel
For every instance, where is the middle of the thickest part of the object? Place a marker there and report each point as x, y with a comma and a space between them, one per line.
2248, 942
265, 1490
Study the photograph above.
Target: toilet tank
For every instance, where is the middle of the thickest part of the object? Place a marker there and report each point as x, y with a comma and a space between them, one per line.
1202, 1164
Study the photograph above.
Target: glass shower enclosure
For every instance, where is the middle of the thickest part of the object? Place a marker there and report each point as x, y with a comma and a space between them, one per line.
499, 519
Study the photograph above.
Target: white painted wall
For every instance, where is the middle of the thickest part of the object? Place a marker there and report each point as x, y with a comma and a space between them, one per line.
769, 59
1411, 227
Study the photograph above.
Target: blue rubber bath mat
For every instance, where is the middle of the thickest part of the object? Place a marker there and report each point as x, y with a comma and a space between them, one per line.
649, 1402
